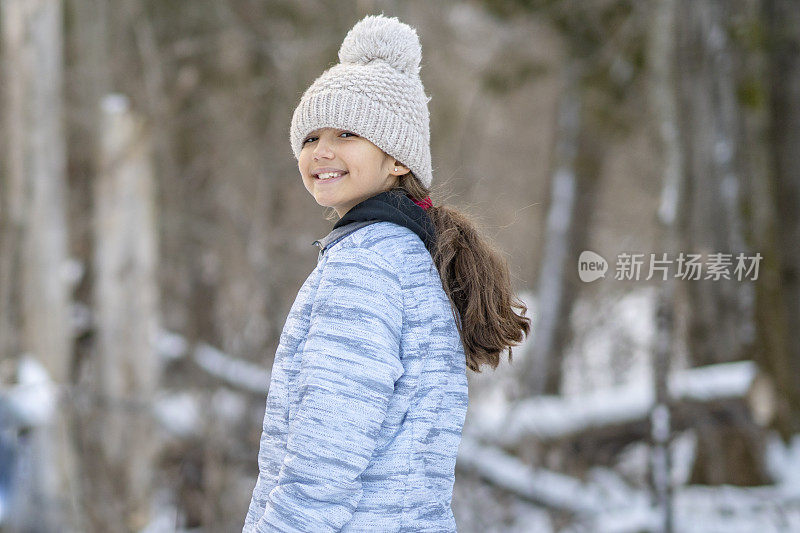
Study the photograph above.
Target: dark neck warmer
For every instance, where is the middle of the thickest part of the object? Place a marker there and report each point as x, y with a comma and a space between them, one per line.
397, 207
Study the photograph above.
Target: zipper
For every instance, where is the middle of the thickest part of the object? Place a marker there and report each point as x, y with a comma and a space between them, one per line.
353, 226
319, 255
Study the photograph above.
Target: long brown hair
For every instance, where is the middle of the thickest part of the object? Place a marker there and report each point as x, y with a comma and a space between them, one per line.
476, 280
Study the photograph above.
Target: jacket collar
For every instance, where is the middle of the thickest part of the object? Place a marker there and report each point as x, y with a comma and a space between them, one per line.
389, 206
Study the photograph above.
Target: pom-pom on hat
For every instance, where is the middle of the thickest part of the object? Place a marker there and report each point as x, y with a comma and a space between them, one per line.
374, 91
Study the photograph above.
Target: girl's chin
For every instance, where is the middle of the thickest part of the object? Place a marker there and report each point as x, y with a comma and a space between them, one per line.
326, 201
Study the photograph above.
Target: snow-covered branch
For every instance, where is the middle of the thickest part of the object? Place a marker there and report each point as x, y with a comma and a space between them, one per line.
538, 485
549, 418
240, 374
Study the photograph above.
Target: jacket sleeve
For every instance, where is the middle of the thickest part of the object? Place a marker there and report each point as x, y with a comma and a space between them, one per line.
349, 365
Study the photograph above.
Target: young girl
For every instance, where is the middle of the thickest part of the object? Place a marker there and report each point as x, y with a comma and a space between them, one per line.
369, 390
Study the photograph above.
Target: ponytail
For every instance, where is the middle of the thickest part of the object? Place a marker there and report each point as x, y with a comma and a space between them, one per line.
476, 280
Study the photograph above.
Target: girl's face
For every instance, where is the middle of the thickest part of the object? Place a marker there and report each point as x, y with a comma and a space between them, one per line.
360, 169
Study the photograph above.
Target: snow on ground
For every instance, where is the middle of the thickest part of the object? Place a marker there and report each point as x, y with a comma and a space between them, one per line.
32, 400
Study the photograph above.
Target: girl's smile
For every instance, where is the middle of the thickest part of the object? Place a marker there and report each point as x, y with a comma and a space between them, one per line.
327, 175
330, 180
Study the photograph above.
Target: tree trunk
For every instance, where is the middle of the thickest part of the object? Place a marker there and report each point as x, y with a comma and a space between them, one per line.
780, 308
34, 296
126, 300
664, 108
541, 372
721, 316
35, 183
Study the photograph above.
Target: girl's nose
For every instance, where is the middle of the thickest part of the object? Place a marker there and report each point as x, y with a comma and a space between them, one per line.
322, 149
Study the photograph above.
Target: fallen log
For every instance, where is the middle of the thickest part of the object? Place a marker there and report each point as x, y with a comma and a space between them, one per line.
727, 387
537, 485
606, 504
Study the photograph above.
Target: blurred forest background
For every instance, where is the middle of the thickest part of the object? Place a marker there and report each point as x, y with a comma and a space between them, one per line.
155, 232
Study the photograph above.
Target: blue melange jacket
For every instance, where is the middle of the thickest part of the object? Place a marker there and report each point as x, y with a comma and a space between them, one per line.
368, 392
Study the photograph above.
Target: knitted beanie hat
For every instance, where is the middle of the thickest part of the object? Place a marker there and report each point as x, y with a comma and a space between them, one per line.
374, 91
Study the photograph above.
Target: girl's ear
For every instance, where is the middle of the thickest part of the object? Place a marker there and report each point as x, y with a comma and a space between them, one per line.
400, 169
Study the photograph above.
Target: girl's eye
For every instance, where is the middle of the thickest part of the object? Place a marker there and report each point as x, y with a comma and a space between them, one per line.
343, 133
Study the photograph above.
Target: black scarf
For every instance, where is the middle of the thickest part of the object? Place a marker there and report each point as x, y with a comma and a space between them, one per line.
397, 207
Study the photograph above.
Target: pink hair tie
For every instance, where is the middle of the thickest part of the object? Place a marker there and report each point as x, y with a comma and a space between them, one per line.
424, 203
